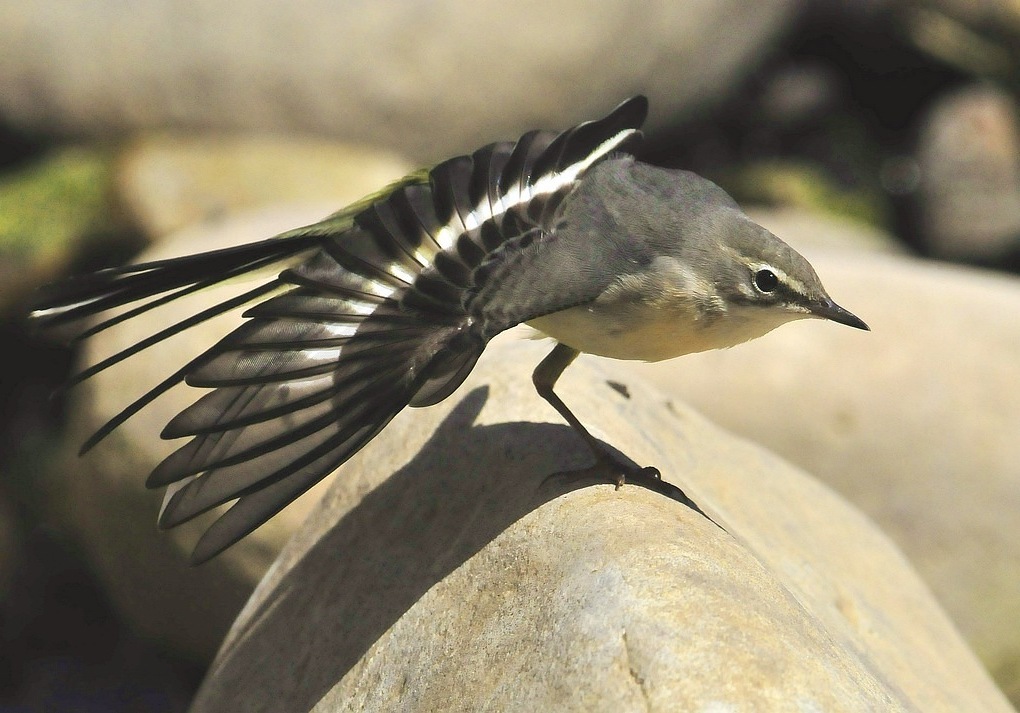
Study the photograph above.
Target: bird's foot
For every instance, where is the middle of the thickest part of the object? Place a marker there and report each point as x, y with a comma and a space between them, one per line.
612, 468
622, 471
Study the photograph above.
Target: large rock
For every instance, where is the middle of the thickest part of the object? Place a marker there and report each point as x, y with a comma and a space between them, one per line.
969, 155
430, 79
916, 422
169, 181
449, 569
978, 39
809, 230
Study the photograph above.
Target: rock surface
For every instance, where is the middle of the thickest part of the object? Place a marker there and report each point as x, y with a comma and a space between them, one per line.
969, 154
429, 79
469, 579
810, 230
168, 181
915, 423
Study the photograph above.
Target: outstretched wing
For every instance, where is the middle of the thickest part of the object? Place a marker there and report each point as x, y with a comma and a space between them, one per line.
374, 318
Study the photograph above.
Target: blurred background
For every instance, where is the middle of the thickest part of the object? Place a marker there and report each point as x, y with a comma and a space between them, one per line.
888, 130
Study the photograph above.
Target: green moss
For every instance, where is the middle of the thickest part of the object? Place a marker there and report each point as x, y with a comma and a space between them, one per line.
47, 205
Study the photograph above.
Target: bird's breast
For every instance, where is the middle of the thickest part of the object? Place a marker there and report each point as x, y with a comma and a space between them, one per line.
639, 334
663, 312
649, 337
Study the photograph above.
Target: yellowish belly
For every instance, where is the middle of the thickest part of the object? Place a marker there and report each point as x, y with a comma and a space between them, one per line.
624, 337
653, 334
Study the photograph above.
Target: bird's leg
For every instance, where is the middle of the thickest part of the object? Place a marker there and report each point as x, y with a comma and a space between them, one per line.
544, 378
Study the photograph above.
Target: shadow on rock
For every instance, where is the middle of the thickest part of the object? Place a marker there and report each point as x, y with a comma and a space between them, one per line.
365, 570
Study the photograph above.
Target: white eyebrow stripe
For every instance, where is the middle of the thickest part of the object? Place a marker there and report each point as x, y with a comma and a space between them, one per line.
785, 278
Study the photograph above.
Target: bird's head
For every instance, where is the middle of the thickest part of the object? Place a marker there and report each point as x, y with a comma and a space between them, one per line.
682, 246
756, 272
750, 275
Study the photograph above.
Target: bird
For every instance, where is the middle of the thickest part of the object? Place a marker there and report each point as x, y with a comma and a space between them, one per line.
389, 303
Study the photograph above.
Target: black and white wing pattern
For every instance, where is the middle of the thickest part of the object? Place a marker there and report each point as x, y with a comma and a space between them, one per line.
365, 313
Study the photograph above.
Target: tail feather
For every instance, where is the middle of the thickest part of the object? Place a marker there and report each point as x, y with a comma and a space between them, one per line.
173, 330
321, 273
153, 284
230, 439
308, 304
87, 295
261, 449
162, 387
286, 387
137, 405
246, 458
253, 509
446, 379
206, 414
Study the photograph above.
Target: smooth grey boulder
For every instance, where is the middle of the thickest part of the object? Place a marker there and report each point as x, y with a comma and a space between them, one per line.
454, 566
169, 181
428, 79
808, 230
916, 422
969, 159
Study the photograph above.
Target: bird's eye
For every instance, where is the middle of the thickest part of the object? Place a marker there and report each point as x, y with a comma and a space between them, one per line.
766, 281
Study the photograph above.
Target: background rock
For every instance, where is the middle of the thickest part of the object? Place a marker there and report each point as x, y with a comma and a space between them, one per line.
467, 578
977, 37
813, 230
167, 182
969, 155
428, 80
916, 422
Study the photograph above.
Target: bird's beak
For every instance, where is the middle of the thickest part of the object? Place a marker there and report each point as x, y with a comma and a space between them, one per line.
827, 309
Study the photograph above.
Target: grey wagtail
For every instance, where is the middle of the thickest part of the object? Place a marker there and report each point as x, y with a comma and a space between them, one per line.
390, 302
